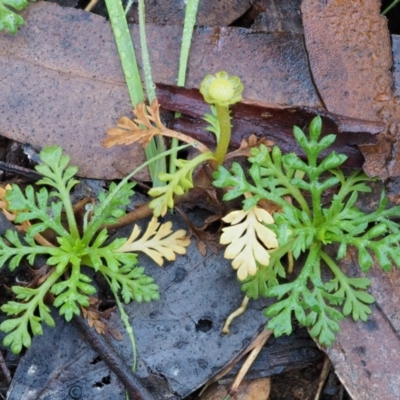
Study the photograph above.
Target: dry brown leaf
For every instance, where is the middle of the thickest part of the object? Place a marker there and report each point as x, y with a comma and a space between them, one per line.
257, 389
204, 239
247, 144
97, 319
142, 129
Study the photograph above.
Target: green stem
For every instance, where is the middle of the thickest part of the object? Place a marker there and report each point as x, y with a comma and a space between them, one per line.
337, 272
188, 27
150, 86
378, 216
130, 67
387, 9
126, 51
148, 78
128, 327
44, 289
316, 202
279, 200
294, 192
69, 211
94, 223
225, 135
310, 265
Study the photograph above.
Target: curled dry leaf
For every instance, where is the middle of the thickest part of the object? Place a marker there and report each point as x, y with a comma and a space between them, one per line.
248, 241
142, 129
98, 319
158, 242
247, 144
204, 238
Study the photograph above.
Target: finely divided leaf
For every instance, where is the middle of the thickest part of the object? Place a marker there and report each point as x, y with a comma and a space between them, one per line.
9, 20
248, 241
158, 242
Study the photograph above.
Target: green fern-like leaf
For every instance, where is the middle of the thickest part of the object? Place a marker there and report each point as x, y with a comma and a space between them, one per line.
9, 20
307, 226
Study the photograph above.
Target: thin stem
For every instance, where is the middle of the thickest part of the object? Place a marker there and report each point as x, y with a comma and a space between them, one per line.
126, 51
188, 27
310, 264
316, 202
160, 165
378, 216
130, 67
148, 78
387, 9
94, 223
236, 313
128, 326
225, 135
337, 272
68, 208
185, 138
294, 192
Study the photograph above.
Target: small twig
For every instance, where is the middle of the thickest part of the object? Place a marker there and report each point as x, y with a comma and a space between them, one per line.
143, 211
113, 360
92, 4
323, 376
262, 337
16, 169
261, 340
5, 370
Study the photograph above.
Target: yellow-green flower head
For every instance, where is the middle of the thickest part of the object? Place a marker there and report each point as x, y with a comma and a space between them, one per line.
221, 89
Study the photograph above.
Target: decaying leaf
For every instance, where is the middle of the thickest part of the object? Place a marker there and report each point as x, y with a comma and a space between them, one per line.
247, 144
249, 240
204, 238
142, 129
158, 242
97, 319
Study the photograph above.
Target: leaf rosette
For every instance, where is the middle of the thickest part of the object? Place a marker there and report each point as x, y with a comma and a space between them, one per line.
72, 249
314, 229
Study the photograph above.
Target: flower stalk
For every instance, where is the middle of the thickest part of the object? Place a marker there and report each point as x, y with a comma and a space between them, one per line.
222, 91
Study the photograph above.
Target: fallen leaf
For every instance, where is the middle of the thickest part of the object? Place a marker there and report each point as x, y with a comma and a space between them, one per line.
159, 241
257, 389
248, 241
172, 12
359, 51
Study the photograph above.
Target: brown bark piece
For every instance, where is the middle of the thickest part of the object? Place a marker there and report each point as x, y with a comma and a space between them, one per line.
349, 49
350, 55
61, 84
61, 81
278, 16
257, 389
210, 12
366, 356
269, 121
